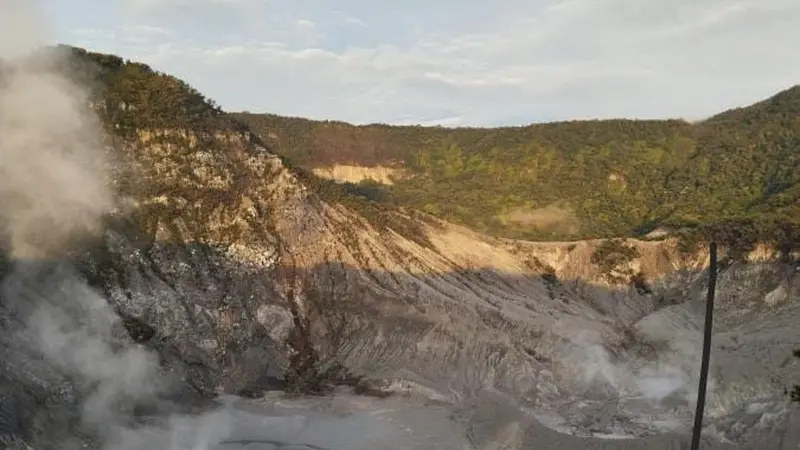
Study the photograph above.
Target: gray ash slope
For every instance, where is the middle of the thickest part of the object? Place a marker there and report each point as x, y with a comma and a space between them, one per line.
217, 269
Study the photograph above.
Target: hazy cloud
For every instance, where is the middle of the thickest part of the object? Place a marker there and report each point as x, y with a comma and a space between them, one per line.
474, 63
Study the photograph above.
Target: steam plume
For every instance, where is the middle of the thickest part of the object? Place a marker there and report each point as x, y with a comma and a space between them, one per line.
52, 191
670, 375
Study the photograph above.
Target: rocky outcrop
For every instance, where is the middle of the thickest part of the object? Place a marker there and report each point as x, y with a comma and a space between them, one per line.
357, 174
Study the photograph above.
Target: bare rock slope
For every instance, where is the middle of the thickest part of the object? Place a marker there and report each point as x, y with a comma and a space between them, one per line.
243, 280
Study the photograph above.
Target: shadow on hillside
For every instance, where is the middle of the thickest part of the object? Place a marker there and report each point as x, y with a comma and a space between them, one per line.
343, 303
223, 299
336, 295
175, 298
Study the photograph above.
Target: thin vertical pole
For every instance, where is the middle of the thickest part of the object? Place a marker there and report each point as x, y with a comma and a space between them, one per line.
701, 391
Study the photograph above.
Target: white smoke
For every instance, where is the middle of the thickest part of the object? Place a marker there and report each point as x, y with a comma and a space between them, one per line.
48, 164
52, 192
672, 372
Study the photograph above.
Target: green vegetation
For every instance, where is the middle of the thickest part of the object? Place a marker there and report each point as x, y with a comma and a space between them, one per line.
735, 176
572, 180
130, 95
612, 256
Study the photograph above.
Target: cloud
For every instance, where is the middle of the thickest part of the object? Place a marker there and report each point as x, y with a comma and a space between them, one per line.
305, 24
151, 6
355, 21
516, 63
307, 32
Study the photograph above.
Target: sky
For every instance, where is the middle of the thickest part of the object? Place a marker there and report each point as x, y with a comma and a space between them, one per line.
454, 62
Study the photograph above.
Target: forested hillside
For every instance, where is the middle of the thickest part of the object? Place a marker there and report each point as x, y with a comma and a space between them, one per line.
737, 173
576, 179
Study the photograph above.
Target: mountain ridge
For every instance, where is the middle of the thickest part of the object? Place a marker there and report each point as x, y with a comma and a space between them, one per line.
559, 180
781, 94
245, 274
